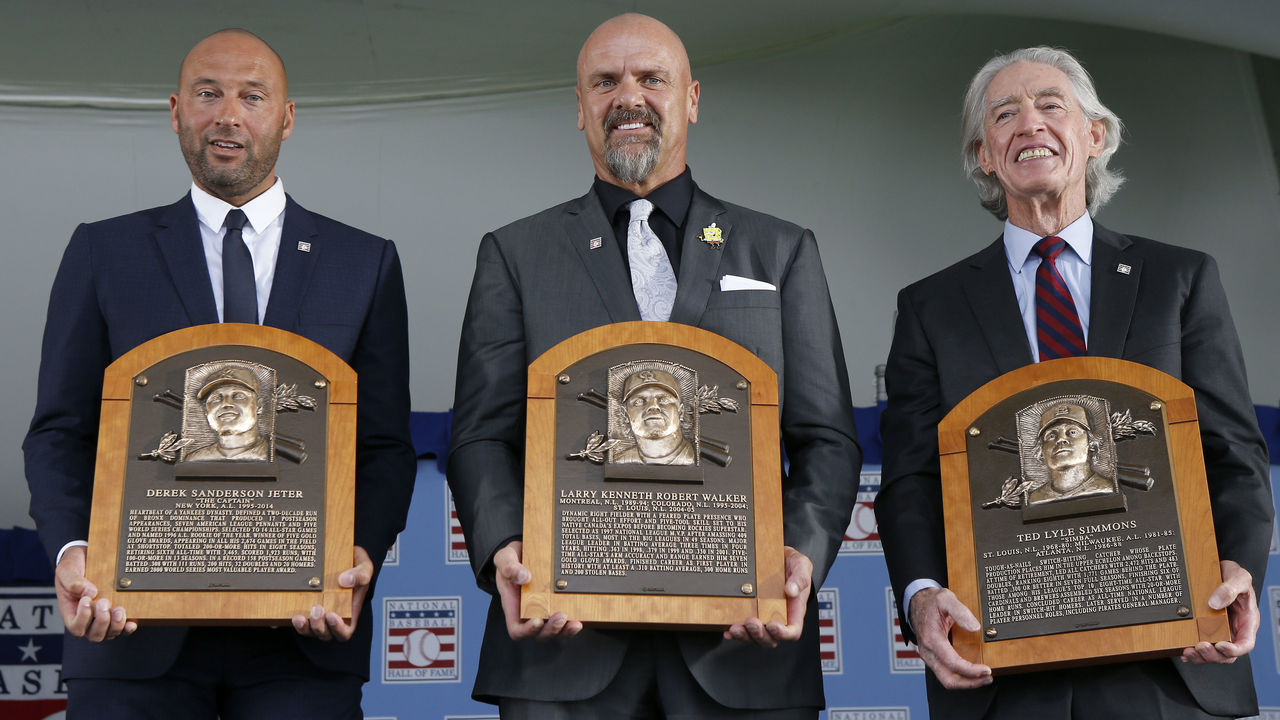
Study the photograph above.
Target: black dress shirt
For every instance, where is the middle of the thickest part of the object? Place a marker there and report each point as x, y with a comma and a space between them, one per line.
671, 210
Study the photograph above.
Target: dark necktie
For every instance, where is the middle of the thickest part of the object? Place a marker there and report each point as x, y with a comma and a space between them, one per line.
239, 291
1058, 330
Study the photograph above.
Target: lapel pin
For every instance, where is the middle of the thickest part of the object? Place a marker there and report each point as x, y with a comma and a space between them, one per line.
304, 246
1123, 269
712, 236
596, 243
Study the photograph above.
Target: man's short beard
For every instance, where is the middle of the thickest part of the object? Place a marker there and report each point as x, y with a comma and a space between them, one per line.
628, 164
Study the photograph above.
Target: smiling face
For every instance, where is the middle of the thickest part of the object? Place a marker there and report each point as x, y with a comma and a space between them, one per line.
1037, 141
1065, 444
231, 409
654, 413
231, 113
636, 99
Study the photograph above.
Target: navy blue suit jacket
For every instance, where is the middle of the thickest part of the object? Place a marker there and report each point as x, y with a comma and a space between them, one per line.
127, 280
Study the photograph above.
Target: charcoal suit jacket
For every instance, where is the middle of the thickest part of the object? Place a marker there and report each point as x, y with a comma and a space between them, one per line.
539, 281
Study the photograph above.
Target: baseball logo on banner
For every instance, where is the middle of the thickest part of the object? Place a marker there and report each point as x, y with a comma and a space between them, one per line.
31, 686
902, 657
420, 639
829, 630
455, 544
862, 536
869, 713
393, 556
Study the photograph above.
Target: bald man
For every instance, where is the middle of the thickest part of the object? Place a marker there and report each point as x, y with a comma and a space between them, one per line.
127, 280
645, 243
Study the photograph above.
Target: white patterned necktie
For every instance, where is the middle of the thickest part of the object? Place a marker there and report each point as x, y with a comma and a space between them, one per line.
652, 278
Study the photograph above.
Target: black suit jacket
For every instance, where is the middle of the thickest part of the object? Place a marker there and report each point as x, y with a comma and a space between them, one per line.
961, 327
127, 280
538, 282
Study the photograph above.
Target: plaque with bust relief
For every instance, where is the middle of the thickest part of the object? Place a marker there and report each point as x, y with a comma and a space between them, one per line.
225, 479
1077, 515
653, 492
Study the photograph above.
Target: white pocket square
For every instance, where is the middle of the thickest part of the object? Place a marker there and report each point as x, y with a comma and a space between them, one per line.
735, 282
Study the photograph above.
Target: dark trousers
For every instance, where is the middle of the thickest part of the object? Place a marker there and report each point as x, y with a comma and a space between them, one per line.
226, 674
652, 684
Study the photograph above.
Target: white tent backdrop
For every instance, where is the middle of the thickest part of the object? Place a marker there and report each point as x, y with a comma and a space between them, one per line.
839, 120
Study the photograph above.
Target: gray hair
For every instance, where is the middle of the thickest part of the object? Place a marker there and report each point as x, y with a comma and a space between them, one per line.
1100, 182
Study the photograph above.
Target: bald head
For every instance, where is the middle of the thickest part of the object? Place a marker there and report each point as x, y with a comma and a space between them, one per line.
636, 99
243, 41
231, 112
640, 30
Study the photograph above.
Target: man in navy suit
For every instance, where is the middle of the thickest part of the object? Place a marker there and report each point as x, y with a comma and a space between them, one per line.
752, 278
127, 280
1037, 141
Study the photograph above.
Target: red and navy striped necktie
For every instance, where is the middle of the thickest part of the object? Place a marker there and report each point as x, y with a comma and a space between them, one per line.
1058, 330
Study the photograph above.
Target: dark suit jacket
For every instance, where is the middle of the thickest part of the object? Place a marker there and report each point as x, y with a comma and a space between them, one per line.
961, 327
537, 283
127, 280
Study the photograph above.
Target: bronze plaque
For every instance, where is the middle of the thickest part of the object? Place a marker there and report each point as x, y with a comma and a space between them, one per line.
224, 488
1076, 518
648, 499
653, 490
225, 483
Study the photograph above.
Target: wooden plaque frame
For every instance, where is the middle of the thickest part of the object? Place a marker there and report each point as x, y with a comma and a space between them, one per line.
224, 607
1096, 646
539, 599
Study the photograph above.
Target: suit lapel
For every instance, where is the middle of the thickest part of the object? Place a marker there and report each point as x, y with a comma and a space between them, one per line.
178, 237
586, 222
699, 261
293, 266
1113, 292
989, 291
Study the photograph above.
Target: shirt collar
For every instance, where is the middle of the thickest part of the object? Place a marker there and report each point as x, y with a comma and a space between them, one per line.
672, 197
261, 211
1018, 242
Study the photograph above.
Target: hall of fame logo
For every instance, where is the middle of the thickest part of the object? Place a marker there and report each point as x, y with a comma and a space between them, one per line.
393, 557
869, 713
455, 544
829, 630
862, 537
902, 657
420, 639
31, 686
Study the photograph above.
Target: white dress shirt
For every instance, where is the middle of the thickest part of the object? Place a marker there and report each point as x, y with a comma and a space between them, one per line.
261, 234
1073, 266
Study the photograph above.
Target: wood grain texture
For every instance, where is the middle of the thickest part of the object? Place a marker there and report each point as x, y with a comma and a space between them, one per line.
1160, 639
539, 599
232, 607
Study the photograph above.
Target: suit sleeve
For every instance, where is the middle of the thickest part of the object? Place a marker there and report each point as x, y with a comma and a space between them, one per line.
486, 454
817, 424
909, 504
61, 445
1235, 455
385, 462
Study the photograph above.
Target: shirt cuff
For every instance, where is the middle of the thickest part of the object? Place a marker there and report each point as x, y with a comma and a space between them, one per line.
68, 546
914, 587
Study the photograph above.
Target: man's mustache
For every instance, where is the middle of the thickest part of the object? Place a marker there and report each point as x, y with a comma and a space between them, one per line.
619, 116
